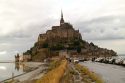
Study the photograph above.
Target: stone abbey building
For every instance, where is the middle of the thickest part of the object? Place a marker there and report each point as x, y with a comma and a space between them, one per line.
64, 33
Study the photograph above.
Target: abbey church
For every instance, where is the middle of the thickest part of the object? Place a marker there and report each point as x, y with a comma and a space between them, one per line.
64, 33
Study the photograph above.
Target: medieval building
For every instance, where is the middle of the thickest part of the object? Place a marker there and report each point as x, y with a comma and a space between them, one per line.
22, 58
64, 33
64, 38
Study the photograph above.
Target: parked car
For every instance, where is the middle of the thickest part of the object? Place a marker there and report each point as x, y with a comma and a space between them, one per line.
76, 61
105, 60
123, 63
81, 60
112, 61
118, 61
98, 59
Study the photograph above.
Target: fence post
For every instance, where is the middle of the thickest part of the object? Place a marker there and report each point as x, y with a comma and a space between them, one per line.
12, 76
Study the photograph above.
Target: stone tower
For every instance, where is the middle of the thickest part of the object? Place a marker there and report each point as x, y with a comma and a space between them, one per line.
61, 20
64, 33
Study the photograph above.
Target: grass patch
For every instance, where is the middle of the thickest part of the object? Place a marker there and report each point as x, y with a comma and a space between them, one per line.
55, 75
87, 75
73, 72
53, 64
68, 77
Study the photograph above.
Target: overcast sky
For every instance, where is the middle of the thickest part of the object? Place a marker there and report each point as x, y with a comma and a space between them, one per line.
99, 21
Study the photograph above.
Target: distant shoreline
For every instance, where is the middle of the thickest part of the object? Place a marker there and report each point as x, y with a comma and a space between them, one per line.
6, 62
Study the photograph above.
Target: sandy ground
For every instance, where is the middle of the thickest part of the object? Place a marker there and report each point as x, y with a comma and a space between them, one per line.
35, 74
33, 64
109, 73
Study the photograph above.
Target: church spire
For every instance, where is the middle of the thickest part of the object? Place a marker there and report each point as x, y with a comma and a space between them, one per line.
61, 14
61, 20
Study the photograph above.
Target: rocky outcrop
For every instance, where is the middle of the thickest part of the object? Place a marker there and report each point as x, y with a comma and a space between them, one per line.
91, 50
65, 37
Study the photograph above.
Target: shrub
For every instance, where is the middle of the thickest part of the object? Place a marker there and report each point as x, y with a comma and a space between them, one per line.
45, 45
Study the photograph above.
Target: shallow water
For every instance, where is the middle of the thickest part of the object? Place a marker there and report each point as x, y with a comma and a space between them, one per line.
121, 56
6, 70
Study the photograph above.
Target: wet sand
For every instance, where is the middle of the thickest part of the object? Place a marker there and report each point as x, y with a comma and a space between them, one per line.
109, 73
35, 72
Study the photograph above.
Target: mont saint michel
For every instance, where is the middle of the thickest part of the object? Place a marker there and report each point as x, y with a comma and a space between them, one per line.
64, 50
63, 38
62, 41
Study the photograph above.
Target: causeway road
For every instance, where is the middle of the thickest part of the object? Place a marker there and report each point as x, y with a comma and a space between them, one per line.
109, 73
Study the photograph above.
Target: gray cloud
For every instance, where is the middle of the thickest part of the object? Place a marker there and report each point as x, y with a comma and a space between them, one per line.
23, 39
103, 28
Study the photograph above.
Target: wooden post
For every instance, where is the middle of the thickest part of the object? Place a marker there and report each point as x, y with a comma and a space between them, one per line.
12, 76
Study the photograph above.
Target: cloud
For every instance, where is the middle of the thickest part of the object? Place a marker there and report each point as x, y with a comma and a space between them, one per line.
103, 28
3, 52
16, 15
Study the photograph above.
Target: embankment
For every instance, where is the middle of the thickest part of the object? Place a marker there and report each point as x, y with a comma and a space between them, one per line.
55, 75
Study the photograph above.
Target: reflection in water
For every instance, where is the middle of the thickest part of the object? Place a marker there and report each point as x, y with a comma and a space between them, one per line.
19, 66
22, 66
6, 69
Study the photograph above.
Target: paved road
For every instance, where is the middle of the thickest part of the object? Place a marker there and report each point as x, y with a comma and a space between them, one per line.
110, 73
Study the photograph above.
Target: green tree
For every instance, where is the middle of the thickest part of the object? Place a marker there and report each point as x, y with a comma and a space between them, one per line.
78, 49
76, 43
45, 45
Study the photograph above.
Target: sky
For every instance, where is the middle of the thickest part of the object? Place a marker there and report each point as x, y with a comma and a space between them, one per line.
99, 21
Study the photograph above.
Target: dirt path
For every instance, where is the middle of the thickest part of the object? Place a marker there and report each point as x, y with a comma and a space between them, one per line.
77, 77
110, 73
